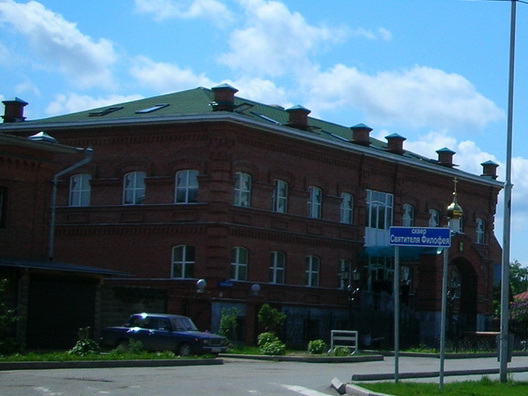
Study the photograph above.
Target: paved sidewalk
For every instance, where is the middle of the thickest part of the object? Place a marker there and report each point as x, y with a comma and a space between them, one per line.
426, 369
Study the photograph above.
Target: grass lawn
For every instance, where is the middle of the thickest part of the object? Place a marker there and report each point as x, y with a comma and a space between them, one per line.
484, 387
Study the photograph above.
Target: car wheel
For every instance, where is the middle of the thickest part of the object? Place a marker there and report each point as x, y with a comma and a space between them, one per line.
185, 349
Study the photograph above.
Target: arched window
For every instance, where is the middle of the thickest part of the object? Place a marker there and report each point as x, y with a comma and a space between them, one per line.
347, 208
280, 196
315, 201
134, 188
345, 274
239, 263
80, 189
186, 186
481, 231
277, 265
242, 189
182, 262
312, 271
434, 218
408, 215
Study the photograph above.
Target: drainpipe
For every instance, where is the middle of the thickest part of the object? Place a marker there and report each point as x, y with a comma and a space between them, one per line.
51, 242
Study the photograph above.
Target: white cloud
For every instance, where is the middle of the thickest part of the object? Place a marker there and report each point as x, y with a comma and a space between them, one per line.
274, 39
259, 90
418, 97
166, 77
60, 44
189, 9
73, 102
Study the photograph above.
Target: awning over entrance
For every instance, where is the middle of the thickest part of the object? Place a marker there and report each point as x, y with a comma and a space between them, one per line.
56, 266
407, 253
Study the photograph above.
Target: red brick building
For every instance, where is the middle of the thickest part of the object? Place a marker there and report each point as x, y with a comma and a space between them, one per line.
52, 299
267, 205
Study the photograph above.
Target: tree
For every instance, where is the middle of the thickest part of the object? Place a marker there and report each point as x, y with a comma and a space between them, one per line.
271, 319
518, 278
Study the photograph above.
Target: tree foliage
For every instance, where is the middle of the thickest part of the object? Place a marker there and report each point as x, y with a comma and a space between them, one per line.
518, 278
8, 317
271, 319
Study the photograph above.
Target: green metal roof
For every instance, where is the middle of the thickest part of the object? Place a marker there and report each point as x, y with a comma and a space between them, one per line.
198, 102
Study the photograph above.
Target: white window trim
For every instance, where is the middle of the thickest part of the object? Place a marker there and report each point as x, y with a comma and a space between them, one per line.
186, 266
80, 194
315, 202
242, 190
237, 265
187, 186
277, 267
137, 193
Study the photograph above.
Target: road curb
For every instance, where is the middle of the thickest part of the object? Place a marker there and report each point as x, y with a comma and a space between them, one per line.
108, 364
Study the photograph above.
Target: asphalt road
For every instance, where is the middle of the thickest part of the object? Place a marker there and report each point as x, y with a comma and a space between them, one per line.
236, 377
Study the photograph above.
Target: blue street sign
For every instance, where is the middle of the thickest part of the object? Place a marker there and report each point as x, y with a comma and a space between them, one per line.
420, 236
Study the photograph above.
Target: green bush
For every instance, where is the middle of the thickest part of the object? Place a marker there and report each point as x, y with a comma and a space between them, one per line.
8, 318
132, 347
265, 338
85, 345
273, 348
271, 319
317, 347
228, 323
341, 351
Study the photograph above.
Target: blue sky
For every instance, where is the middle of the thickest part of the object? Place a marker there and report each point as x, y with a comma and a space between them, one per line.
434, 71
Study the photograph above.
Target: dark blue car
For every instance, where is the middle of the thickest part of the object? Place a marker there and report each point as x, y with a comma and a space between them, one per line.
163, 332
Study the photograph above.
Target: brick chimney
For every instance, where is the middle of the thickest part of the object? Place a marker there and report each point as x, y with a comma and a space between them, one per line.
361, 134
298, 117
14, 110
224, 97
445, 157
395, 143
489, 168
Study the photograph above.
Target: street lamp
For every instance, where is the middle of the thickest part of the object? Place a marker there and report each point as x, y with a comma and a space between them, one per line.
201, 284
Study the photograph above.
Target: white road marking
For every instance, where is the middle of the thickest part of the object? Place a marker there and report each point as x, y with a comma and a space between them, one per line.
304, 391
46, 391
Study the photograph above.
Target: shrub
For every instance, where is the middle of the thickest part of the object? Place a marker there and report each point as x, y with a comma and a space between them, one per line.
228, 323
8, 317
271, 319
341, 351
132, 347
85, 345
273, 348
317, 347
266, 338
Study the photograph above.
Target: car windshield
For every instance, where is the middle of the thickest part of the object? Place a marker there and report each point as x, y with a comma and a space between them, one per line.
183, 324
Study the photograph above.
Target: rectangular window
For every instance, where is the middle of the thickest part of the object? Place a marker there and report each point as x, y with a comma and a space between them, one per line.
481, 231
280, 196
134, 188
379, 218
80, 189
312, 271
183, 262
346, 209
315, 200
187, 186
239, 263
277, 264
242, 189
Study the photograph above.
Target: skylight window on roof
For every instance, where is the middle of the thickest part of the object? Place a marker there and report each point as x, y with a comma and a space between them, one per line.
105, 111
153, 108
266, 118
